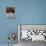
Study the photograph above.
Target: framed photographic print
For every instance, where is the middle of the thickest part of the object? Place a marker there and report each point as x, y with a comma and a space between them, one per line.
10, 12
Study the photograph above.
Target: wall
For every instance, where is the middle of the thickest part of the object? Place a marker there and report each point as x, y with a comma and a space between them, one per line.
6, 25
31, 11
27, 12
